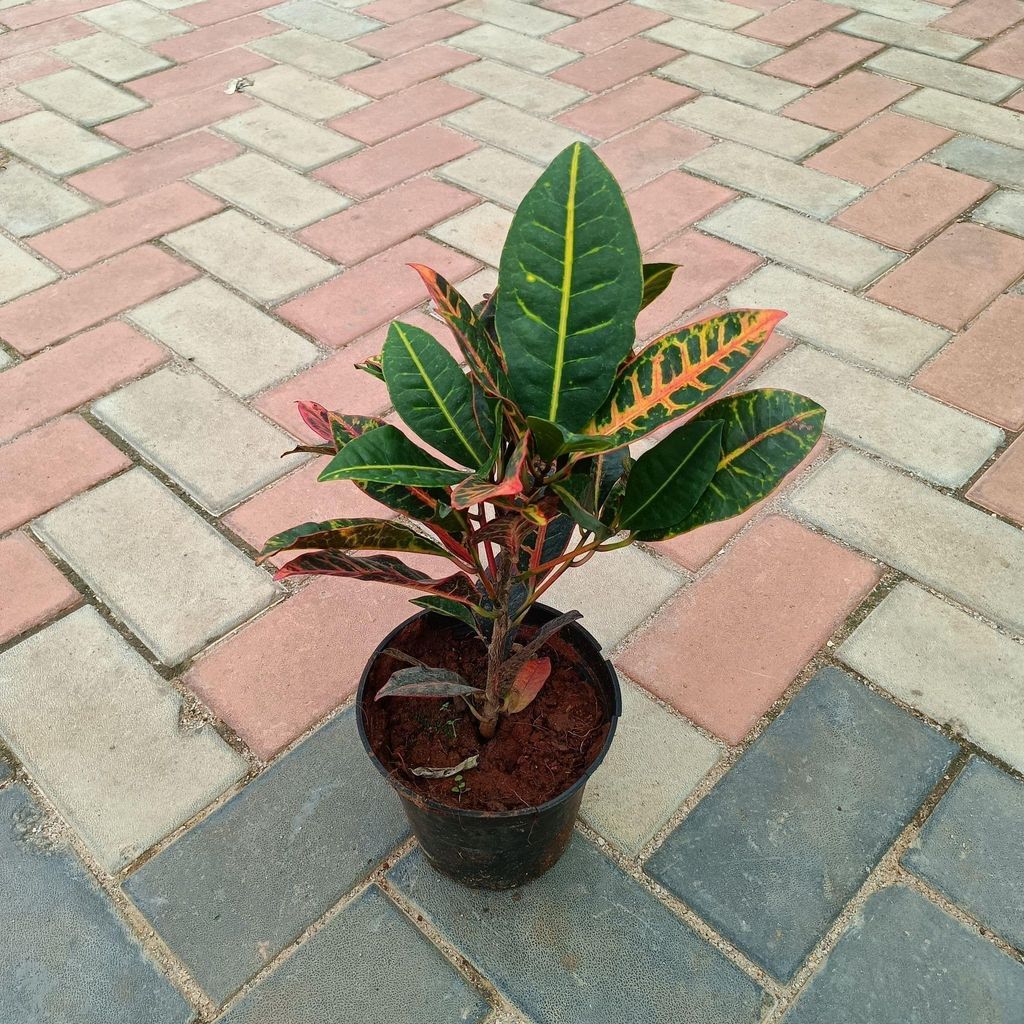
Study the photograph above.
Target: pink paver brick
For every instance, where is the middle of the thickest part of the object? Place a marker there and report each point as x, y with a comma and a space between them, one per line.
215, 38
981, 19
369, 227
65, 377
204, 73
1001, 487
874, 151
15, 104
789, 587
846, 102
65, 307
403, 110
209, 12
26, 15
392, 11
915, 204
1015, 102
954, 277
616, 65
99, 235
360, 299
795, 21
34, 590
44, 468
981, 370
650, 151
279, 675
150, 168
607, 28
623, 107
376, 168
175, 116
1005, 54
672, 202
37, 37
819, 59
407, 70
415, 32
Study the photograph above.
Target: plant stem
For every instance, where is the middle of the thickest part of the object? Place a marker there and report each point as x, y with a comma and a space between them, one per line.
497, 649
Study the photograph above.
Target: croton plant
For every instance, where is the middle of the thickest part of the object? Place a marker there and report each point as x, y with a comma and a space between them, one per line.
534, 475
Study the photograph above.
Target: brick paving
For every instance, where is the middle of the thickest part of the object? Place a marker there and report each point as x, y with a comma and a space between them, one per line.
813, 807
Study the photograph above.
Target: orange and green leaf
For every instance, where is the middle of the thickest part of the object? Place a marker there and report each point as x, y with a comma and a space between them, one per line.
529, 681
479, 489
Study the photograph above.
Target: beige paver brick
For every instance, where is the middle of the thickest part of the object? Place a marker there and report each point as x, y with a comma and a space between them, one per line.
965, 115
717, 43
82, 97
521, 51
742, 85
286, 137
492, 174
303, 93
479, 232
708, 12
521, 17
54, 143
312, 53
947, 75
20, 271
111, 57
533, 93
925, 39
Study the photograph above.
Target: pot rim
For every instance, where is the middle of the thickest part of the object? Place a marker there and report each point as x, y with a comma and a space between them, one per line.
436, 805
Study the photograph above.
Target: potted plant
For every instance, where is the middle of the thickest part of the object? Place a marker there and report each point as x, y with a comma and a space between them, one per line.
488, 711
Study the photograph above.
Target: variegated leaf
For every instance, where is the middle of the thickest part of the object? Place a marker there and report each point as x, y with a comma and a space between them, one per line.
351, 535
425, 682
479, 489
657, 277
529, 681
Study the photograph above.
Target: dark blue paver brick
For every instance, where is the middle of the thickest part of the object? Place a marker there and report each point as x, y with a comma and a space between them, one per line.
368, 965
236, 889
972, 848
905, 961
782, 843
585, 943
66, 957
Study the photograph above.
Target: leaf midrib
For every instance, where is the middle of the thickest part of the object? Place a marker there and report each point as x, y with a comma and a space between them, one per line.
566, 296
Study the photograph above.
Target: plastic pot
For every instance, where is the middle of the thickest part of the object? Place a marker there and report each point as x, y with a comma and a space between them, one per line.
498, 849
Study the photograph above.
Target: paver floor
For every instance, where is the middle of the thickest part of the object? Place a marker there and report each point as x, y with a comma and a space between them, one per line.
813, 812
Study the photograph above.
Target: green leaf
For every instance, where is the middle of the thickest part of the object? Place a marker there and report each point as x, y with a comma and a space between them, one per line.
657, 277
551, 440
386, 456
575, 492
452, 609
570, 286
667, 481
425, 682
767, 434
352, 535
432, 394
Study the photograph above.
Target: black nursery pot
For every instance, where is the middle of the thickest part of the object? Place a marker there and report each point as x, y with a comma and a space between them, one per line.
499, 849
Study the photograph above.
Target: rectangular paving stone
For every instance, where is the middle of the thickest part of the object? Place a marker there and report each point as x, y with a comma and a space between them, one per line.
55, 144
173, 117
213, 446
1001, 487
1004, 210
137, 21
197, 75
770, 177
922, 965
67, 953
216, 38
716, 78
111, 57
513, 48
913, 528
597, 72
254, 259
709, 12
479, 232
492, 174
848, 101
36, 592
593, 922
817, 249
371, 937
910, 11
292, 140
158, 566
775, 851
231, 893
533, 21
741, 123
415, 32
970, 849
949, 76
533, 93
620, 109
983, 120
406, 70
82, 97
21, 272
946, 663
873, 334
313, 53
717, 43
874, 413
304, 94
654, 764
30, 202
98, 730
321, 19
1002, 165
921, 38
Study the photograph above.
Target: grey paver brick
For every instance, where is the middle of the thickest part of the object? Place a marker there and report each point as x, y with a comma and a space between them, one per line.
312, 53
912, 12
989, 160
30, 202
846, 324
65, 953
264, 187
947, 75
303, 93
322, 19
655, 762
224, 336
911, 429
717, 78
611, 951
232, 892
971, 850
98, 730
532, 93
821, 250
374, 941
137, 21
82, 97
480, 232
997, 124
910, 526
21, 272
54, 143
522, 17
213, 446
111, 57
740, 123
770, 177
162, 570
249, 256
492, 174
1004, 210
286, 137
521, 51
946, 663
914, 963
774, 852
6, 772
708, 12
713, 42
931, 41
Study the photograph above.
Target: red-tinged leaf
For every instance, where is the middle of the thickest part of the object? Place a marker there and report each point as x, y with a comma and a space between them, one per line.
380, 569
426, 682
476, 489
351, 535
507, 530
317, 418
529, 681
